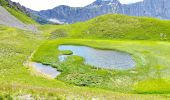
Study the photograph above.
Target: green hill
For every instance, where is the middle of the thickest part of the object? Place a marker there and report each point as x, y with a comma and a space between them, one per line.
114, 26
18, 11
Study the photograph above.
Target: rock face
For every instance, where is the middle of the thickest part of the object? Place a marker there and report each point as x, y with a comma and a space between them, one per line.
153, 8
9, 20
66, 14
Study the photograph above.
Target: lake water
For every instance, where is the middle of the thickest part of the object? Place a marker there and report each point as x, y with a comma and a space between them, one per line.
107, 59
45, 69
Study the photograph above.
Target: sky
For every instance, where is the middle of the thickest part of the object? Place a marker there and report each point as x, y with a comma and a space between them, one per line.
49, 4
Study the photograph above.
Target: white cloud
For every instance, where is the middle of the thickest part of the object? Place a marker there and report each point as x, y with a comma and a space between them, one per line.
48, 4
129, 1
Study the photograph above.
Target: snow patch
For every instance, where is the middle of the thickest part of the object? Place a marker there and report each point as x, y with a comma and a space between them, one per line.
54, 20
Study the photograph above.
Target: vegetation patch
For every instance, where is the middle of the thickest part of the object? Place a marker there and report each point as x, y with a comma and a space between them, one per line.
66, 52
153, 86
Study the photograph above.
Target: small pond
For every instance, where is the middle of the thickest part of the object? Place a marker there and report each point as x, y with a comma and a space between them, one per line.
45, 69
107, 59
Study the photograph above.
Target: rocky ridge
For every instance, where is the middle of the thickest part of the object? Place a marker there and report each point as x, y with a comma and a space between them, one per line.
65, 14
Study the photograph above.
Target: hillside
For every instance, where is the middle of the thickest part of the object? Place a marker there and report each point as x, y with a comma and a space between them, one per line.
9, 20
114, 26
17, 10
14, 15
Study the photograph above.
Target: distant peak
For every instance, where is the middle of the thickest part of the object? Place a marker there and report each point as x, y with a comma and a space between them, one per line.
63, 6
104, 2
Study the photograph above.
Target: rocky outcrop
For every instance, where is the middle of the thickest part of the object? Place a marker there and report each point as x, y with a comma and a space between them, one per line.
66, 14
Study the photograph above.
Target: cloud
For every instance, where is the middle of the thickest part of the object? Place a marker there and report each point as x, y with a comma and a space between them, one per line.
129, 1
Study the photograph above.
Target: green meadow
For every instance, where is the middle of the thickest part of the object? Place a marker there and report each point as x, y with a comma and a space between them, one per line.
145, 39
149, 76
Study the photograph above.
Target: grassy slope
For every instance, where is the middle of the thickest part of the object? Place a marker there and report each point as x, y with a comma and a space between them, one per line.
21, 16
118, 27
15, 47
18, 14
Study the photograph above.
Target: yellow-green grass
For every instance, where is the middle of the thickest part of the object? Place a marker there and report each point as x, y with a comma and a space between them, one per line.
151, 74
18, 80
114, 26
48, 29
21, 16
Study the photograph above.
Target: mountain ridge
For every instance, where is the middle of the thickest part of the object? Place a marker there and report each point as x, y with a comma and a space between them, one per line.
68, 14
152, 8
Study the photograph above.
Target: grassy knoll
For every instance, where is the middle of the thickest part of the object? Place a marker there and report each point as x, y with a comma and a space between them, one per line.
151, 74
113, 26
19, 81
